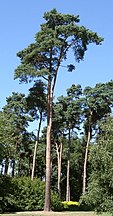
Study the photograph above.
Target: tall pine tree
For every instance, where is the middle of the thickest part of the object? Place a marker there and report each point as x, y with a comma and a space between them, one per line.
57, 36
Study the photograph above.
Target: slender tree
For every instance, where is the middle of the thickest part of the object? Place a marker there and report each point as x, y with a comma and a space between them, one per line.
99, 192
44, 57
98, 101
71, 105
58, 136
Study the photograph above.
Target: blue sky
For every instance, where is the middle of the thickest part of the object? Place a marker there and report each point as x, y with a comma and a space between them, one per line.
21, 19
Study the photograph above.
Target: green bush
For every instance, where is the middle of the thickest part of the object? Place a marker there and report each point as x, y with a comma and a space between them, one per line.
71, 205
23, 194
28, 195
85, 206
56, 204
6, 193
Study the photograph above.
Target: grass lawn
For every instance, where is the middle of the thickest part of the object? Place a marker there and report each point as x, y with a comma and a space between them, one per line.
41, 213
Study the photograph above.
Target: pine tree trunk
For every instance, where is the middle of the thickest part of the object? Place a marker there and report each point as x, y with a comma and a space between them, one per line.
6, 166
68, 170
13, 167
47, 206
85, 161
36, 146
59, 159
51, 87
19, 167
2, 169
59, 169
30, 166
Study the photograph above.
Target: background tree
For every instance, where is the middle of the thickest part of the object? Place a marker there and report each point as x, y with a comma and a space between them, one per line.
71, 108
58, 137
43, 58
16, 122
100, 186
36, 105
6, 142
98, 101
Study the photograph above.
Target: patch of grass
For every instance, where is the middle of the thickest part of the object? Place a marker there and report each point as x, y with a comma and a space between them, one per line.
106, 214
42, 213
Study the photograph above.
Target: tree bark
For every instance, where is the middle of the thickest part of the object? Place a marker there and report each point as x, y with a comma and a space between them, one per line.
36, 146
47, 206
59, 159
51, 87
85, 160
2, 169
29, 166
6, 166
68, 169
13, 167
19, 167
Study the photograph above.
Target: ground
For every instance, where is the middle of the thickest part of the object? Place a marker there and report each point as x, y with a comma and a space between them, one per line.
42, 213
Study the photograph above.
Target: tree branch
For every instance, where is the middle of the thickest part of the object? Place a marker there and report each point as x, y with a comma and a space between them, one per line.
59, 60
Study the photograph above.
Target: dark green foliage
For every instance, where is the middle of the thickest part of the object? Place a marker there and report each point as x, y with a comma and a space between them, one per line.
100, 188
76, 169
56, 204
40, 161
15, 140
97, 103
28, 195
70, 67
36, 100
6, 193
6, 138
98, 100
22, 194
57, 35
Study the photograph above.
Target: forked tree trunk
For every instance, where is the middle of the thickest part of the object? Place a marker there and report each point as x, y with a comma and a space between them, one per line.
36, 146
59, 159
85, 160
68, 169
59, 169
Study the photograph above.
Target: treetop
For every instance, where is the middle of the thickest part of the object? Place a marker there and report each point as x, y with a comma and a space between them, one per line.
57, 35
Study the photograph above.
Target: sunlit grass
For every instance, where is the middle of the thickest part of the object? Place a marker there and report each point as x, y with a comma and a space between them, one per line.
41, 213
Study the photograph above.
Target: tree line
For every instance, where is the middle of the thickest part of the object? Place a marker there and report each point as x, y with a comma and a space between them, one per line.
76, 125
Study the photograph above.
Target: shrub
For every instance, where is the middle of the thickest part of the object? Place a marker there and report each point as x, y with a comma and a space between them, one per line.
71, 205
21, 194
6, 193
28, 195
56, 204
